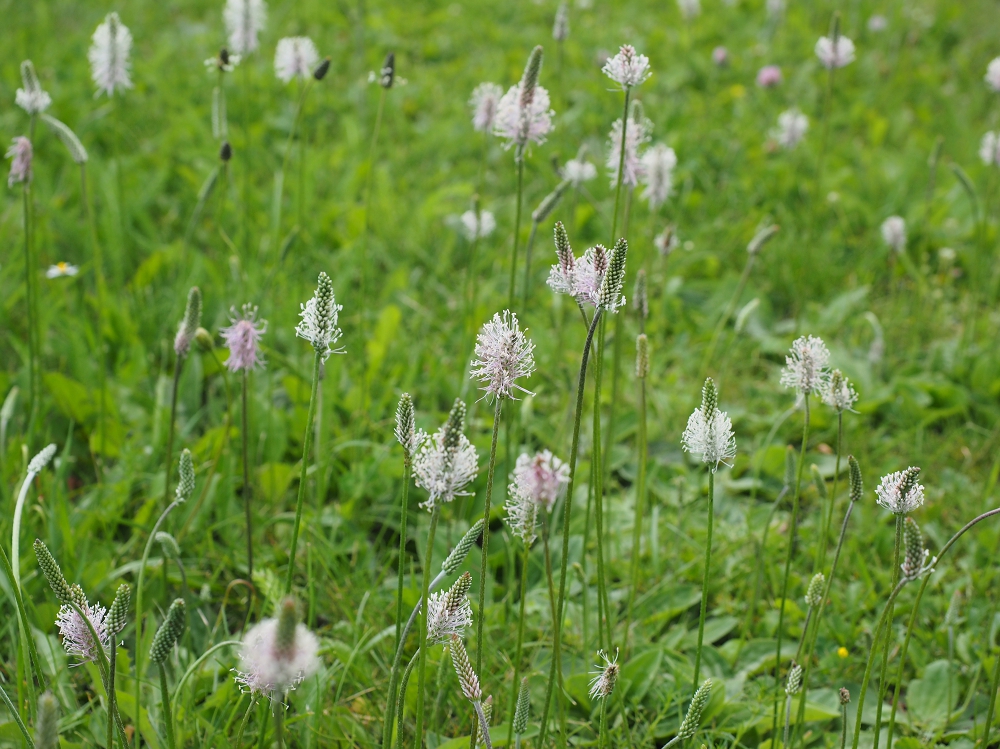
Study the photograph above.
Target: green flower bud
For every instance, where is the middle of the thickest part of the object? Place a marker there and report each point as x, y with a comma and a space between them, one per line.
169, 632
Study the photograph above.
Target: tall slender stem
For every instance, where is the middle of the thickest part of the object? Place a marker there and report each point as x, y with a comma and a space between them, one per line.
284, 162
404, 511
303, 473
604, 619
112, 658
793, 527
621, 165
526, 291
401, 701
29, 296
888, 634
278, 711
640, 507
516, 683
422, 642
603, 731
994, 683
363, 307
247, 489
178, 368
556, 666
705, 578
167, 716
100, 286
517, 226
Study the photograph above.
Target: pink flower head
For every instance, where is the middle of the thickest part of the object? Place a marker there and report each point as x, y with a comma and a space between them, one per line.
484, 101
541, 477
20, 166
588, 275
77, 639
520, 125
769, 76
720, 56
637, 134
243, 339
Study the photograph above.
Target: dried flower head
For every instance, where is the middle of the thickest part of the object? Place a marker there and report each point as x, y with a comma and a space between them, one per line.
845, 696
992, 76
814, 594
637, 134
32, 98
689, 726
894, 233
807, 367
989, 149
915, 556
109, 55
769, 76
791, 129
189, 324
467, 678
839, 393
295, 57
169, 632
277, 654
900, 492
449, 612
242, 338
627, 68
834, 53
244, 21
477, 226
577, 171
709, 431
77, 638
447, 461
560, 27
484, 101
319, 319
658, 174
20, 154
604, 678
503, 355
794, 683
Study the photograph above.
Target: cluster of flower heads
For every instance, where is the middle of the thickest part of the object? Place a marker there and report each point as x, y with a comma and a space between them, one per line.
536, 483
596, 278
900, 492
504, 354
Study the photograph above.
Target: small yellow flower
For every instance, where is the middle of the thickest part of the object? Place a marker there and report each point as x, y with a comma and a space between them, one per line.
842, 651
737, 91
61, 269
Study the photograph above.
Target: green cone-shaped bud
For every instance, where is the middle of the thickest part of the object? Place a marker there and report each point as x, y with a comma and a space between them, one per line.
709, 398
47, 722
457, 592
406, 427
856, 482
689, 727
461, 551
641, 356
118, 613
529, 81
322, 69
641, 295
913, 542
185, 485
50, 569
549, 203
168, 543
814, 594
523, 708
169, 632
794, 684
610, 297
455, 425
288, 622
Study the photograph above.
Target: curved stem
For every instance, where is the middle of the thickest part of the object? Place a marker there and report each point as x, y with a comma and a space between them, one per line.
517, 229
556, 666
421, 648
306, 449
704, 581
481, 720
17, 718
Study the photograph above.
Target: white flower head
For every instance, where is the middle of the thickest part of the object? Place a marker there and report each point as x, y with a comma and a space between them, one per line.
542, 477
267, 667
77, 639
503, 355
791, 129
477, 227
689, 8
637, 134
775, 7
992, 76
109, 55
989, 149
484, 101
834, 55
666, 241
658, 173
604, 677
522, 513
33, 99
319, 319
41, 459
519, 125
709, 431
627, 68
244, 21
588, 275
894, 233
449, 612
899, 492
61, 269
561, 276
807, 367
877, 23
839, 393
20, 154
577, 171
295, 57
446, 462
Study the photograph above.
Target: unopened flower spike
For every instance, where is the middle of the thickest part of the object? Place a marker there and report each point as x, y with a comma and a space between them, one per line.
243, 339
109, 56
33, 99
641, 356
454, 560
169, 632
794, 683
185, 485
52, 573
814, 594
504, 354
467, 678
189, 324
320, 71
857, 484
561, 276
406, 432
709, 431
319, 319
605, 677
610, 296
523, 708
560, 27
118, 613
689, 726
915, 556
47, 722
641, 295
225, 151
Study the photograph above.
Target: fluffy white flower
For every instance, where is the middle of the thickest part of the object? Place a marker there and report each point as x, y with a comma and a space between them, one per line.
588, 275
689, 8
807, 367
244, 21
604, 678
268, 668
637, 134
835, 55
62, 269
989, 148
658, 173
77, 639
839, 393
503, 355
877, 23
109, 55
444, 472
900, 492
33, 99
319, 319
20, 154
792, 126
992, 76
627, 68
473, 227
577, 171
484, 101
518, 126
894, 233
295, 56
542, 477
522, 513
449, 612
710, 435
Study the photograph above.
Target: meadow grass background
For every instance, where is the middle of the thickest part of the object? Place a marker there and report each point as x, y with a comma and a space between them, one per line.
917, 336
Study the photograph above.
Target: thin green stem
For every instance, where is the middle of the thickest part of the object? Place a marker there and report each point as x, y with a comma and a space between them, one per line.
516, 683
401, 701
17, 718
556, 665
178, 368
604, 620
278, 710
101, 291
167, 716
526, 291
247, 488
30, 303
705, 578
303, 473
788, 719
994, 684
422, 642
836, 483
404, 511
517, 228
640, 508
112, 697
843, 726
246, 719
284, 160
888, 635
603, 732
621, 165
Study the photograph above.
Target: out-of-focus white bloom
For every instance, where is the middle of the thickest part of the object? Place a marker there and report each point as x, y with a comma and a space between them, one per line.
637, 134
443, 471
666, 241
604, 678
109, 55
877, 23
542, 477
775, 7
20, 155
989, 148
769, 76
295, 56
689, 8
894, 233
577, 171
560, 27
709, 433
792, 126
522, 513
588, 275
657, 174
242, 338
628, 68
61, 269
807, 367
720, 56
503, 355
518, 126
224, 61
484, 100
900, 492
992, 76
477, 228
835, 55
319, 319
839, 394
270, 669
33, 99
77, 639
244, 21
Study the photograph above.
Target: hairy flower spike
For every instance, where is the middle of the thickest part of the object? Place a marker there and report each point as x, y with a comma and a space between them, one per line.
845, 696
899, 492
77, 637
709, 431
658, 165
791, 129
319, 319
244, 20
523, 708
185, 486
447, 461
20, 154
109, 55
627, 68
839, 394
522, 513
243, 338
794, 684
450, 612
560, 27
47, 722
406, 432
814, 594
610, 297
118, 614
857, 483
807, 367
467, 678
915, 557
605, 677
641, 295
32, 98
484, 101
169, 632
53, 574
633, 166
529, 79
641, 356
894, 233
503, 355
689, 726
37, 464
277, 654
454, 560
189, 325
836, 52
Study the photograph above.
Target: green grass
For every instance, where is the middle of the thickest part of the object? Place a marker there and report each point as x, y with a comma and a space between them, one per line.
916, 336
